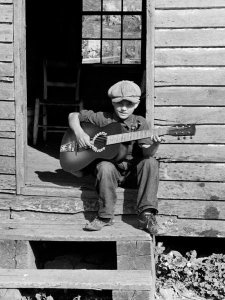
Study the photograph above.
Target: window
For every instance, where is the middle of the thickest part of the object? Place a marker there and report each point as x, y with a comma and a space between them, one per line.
112, 31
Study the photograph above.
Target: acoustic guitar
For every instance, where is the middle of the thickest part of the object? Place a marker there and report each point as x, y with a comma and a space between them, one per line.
107, 143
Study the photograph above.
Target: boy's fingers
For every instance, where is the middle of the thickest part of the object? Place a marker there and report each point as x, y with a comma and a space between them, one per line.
157, 139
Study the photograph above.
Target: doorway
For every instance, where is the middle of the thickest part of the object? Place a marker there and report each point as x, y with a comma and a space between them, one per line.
55, 32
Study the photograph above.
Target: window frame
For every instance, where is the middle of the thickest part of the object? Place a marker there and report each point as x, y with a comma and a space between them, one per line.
19, 28
121, 39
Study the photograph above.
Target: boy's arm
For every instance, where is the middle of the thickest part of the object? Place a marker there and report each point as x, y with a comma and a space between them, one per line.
150, 150
82, 137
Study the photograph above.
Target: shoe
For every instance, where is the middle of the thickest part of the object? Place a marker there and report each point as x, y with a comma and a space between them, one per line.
98, 223
147, 222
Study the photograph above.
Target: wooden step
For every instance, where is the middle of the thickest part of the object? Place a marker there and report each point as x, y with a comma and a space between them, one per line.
120, 231
138, 280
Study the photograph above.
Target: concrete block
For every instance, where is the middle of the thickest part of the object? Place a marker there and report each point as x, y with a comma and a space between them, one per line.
24, 256
7, 254
131, 295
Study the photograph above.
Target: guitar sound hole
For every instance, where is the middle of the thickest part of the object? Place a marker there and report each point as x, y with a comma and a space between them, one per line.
100, 141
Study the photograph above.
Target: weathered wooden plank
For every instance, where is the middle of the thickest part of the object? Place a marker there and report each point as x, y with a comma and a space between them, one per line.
173, 226
6, 52
39, 217
7, 147
191, 153
6, 33
186, 209
166, 4
207, 134
190, 57
7, 125
34, 211
5, 134
5, 215
185, 115
168, 226
190, 37
7, 110
7, 165
6, 13
192, 96
20, 89
77, 279
6, 1
193, 209
189, 76
190, 18
120, 231
150, 68
192, 190
192, 171
6, 69
7, 182
6, 91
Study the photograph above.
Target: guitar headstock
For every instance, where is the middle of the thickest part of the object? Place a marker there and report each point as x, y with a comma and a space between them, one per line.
182, 130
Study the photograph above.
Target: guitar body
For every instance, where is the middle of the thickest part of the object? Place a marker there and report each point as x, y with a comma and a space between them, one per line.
108, 144
73, 161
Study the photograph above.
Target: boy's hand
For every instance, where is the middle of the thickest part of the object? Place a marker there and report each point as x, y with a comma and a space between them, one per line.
157, 139
83, 139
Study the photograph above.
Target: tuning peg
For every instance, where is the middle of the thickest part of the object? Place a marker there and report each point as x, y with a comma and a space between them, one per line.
178, 138
191, 137
184, 137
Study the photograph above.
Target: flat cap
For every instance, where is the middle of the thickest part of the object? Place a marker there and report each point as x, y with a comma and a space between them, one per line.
125, 90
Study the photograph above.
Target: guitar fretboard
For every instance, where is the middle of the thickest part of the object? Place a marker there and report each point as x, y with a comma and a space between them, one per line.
132, 136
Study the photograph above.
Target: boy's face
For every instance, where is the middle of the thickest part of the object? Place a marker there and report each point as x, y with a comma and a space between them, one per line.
124, 108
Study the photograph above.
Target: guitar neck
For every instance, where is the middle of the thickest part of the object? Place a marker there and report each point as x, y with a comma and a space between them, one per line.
134, 135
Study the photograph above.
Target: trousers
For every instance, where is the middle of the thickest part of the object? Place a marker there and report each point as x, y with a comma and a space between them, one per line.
144, 175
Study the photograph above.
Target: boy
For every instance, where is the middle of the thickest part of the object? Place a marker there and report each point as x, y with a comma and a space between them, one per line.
139, 167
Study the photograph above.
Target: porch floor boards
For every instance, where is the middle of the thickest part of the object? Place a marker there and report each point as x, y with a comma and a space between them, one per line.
43, 169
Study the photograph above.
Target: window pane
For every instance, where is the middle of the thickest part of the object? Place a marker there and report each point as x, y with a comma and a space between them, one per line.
131, 52
111, 51
132, 26
91, 5
112, 5
111, 26
91, 27
132, 5
91, 51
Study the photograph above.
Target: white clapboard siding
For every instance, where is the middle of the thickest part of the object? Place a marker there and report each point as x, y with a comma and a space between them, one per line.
190, 18
6, 52
166, 57
192, 76
6, 13
209, 37
190, 96
196, 115
168, 4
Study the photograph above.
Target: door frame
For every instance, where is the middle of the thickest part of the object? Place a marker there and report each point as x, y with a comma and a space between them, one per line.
20, 79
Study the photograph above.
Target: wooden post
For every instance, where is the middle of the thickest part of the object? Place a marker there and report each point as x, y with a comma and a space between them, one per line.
150, 72
20, 90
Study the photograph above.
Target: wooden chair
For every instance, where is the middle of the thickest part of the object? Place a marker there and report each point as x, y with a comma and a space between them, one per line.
58, 83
